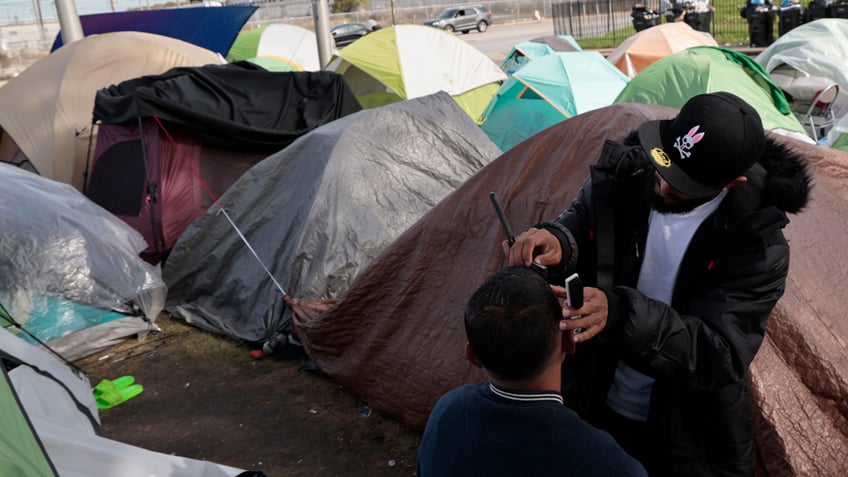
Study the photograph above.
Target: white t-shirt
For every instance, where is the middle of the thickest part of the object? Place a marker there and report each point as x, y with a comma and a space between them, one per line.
668, 238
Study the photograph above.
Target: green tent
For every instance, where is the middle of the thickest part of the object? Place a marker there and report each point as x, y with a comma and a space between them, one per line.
411, 61
271, 63
290, 44
21, 451
550, 89
672, 80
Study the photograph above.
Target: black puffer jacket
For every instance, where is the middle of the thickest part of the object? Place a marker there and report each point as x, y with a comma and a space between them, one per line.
699, 348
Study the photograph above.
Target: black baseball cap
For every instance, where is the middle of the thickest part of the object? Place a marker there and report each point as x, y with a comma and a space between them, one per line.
714, 139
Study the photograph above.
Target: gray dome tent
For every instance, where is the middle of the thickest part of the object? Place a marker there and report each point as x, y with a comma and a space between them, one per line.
319, 211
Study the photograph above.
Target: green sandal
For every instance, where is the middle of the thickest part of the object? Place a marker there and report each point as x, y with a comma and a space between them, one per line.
110, 393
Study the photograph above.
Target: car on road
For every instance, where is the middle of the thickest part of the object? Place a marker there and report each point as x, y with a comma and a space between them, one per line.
463, 19
346, 33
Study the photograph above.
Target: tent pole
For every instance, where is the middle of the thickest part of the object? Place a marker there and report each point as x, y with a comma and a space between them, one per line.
150, 193
88, 156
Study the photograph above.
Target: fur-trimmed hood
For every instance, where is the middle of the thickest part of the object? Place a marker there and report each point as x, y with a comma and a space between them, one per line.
788, 182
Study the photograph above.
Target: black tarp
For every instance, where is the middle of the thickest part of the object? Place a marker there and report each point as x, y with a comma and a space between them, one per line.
237, 105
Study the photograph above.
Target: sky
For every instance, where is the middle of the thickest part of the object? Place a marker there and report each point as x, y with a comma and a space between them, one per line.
13, 11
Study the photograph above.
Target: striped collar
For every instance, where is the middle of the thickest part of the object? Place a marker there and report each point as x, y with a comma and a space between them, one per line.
528, 396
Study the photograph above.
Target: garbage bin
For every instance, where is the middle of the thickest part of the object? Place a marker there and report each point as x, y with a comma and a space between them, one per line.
644, 18
839, 9
760, 18
790, 16
817, 9
674, 13
699, 21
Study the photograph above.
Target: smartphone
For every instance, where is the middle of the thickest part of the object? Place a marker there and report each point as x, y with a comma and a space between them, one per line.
574, 291
574, 296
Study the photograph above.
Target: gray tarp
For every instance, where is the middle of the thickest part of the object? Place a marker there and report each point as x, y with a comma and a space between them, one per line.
320, 210
63, 257
396, 338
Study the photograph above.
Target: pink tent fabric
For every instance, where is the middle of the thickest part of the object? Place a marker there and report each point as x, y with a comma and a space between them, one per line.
181, 167
396, 338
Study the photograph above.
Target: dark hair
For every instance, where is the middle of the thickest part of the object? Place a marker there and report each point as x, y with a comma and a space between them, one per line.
512, 323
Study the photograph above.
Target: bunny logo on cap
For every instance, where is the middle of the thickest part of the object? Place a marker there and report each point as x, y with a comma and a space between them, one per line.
685, 143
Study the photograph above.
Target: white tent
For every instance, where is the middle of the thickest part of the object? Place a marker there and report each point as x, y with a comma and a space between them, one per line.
810, 57
291, 44
59, 404
411, 61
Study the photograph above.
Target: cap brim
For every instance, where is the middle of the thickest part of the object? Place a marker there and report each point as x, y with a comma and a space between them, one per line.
650, 137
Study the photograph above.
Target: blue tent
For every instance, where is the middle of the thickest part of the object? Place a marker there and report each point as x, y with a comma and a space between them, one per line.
213, 28
548, 90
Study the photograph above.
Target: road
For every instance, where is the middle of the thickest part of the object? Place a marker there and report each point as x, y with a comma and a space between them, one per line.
499, 39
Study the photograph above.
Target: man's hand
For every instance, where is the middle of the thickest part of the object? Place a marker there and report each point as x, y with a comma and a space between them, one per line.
591, 317
534, 245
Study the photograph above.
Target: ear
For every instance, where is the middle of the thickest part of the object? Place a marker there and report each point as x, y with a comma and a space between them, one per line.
736, 182
469, 355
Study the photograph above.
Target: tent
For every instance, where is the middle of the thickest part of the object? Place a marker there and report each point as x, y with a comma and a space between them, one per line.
672, 80
292, 44
837, 137
809, 58
397, 339
548, 90
46, 118
410, 61
212, 29
272, 64
525, 51
317, 212
51, 426
170, 144
69, 270
638, 51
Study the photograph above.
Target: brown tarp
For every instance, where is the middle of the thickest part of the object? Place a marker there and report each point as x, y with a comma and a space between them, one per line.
396, 338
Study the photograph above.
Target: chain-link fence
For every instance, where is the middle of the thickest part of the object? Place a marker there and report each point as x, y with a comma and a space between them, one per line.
607, 22
730, 22
386, 12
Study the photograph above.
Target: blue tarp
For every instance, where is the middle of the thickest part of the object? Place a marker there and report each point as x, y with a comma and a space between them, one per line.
213, 28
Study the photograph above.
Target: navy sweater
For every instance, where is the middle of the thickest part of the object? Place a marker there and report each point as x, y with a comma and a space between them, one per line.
483, 430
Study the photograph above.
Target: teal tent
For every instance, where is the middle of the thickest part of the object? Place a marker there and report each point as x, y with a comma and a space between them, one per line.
548, 90
672, 80
525, 51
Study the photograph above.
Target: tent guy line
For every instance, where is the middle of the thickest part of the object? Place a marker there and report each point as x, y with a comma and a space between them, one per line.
221, 209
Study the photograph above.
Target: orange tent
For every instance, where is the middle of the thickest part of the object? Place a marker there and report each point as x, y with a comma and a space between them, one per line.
640, 50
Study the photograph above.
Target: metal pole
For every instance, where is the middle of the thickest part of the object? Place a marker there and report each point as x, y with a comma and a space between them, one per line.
69, 21
321, 17
392, 3
36, 5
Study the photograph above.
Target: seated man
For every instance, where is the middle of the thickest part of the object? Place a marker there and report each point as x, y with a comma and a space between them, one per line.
516, 424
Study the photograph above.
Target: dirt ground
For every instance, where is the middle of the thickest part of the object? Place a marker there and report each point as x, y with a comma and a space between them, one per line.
206, 398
